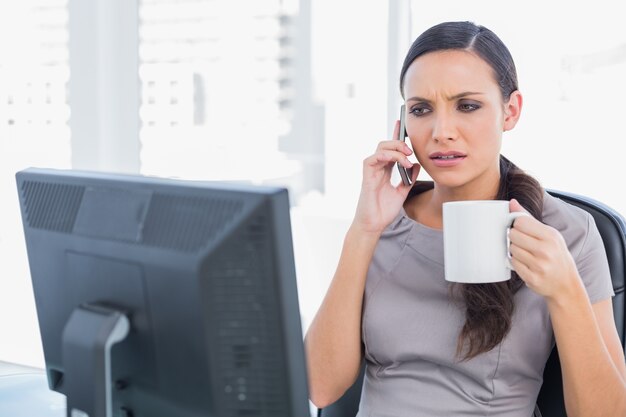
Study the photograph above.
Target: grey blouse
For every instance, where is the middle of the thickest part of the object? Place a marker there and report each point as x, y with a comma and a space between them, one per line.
410, 327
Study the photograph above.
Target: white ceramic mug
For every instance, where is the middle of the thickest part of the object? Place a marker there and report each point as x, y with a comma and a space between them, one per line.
476, 242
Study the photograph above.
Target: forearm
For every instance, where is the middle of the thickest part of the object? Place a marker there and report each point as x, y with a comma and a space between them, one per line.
593, 385
333, 341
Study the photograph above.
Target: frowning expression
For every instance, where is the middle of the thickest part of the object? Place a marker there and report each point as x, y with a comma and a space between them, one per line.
455, 117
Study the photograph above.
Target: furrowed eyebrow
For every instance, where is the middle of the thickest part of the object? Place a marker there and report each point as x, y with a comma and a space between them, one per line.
451, 98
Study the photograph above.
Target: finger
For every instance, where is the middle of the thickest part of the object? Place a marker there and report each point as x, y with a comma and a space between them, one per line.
534, 228
523, 240
528, 225
415, 172
376, 160
522, 270
385, 157
522, 255
396, 130
396, 145
514, 206
389, 155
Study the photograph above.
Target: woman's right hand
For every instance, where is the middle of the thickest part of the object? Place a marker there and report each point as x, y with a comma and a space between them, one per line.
380, 201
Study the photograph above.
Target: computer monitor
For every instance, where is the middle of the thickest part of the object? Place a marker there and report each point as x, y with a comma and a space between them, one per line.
159, 297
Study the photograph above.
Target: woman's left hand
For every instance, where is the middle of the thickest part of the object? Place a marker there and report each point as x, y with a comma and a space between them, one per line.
540, 256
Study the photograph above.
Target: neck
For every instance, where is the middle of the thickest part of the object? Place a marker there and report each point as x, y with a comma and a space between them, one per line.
442, 194
427, 206
481, 189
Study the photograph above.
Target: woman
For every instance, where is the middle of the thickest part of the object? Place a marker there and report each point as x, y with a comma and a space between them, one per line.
432, 348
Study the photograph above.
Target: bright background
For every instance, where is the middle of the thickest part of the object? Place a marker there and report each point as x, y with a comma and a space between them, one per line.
293, 92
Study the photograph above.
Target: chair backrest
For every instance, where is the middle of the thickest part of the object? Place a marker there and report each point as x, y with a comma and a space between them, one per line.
612, 228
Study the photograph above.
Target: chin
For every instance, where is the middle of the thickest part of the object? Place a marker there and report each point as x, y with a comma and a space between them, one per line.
448, 179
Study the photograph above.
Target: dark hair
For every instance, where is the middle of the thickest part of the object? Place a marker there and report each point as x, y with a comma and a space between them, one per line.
488, 307
469, 37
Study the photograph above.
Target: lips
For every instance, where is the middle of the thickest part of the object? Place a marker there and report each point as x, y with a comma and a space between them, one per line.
447, 159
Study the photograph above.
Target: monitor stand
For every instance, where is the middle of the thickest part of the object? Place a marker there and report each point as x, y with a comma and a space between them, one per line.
88, 336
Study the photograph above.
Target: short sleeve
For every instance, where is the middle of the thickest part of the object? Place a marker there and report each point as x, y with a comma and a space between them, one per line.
593, 265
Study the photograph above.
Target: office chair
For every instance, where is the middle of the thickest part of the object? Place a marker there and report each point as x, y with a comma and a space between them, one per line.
550, 401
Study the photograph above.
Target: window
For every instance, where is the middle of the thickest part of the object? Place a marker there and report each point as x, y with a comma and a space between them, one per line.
294, 93
33, 132
215, 98
569, 71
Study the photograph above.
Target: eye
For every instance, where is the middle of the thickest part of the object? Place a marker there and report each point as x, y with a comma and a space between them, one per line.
420, 110
468, 107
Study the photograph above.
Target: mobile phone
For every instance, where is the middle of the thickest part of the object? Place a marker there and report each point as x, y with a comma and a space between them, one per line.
404, 172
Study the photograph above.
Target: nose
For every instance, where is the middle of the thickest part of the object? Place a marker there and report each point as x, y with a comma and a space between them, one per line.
444, 128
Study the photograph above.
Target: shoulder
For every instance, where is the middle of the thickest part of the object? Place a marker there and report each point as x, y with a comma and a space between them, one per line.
557, 212
402, 224
584, 242
398, 233
572, 222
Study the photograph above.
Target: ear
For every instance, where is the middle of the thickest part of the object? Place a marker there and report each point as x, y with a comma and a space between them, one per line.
512, 110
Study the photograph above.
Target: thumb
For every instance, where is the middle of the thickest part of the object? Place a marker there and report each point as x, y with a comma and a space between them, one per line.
514, 206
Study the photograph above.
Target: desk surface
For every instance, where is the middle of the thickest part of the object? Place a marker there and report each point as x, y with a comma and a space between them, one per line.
24, 393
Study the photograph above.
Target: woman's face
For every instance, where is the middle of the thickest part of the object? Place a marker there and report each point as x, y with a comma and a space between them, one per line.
456, 116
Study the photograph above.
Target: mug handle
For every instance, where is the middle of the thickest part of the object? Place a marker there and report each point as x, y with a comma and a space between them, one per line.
511, 220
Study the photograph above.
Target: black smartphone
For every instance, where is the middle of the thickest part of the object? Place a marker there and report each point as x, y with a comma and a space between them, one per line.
404, 172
